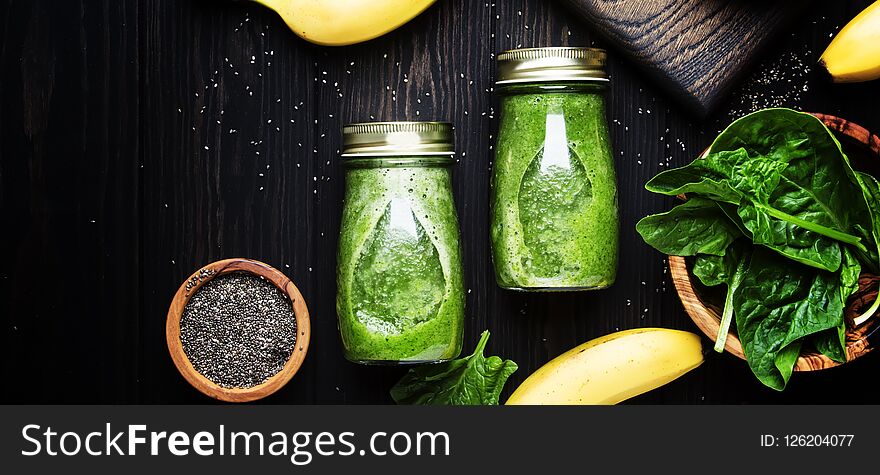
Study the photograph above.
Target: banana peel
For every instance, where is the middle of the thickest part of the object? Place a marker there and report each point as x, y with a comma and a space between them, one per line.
345, 22
854, 54
612, 368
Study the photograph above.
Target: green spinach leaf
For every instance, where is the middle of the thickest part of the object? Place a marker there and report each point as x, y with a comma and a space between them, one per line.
796, 227
711, 270
473, 380
728, 269
707, 177
832, 342
791, 183
871, 192
778, 304
730, 211
798, 183
697, 226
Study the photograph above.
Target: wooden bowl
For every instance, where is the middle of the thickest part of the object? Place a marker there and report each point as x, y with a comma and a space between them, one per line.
704, 307
203, 276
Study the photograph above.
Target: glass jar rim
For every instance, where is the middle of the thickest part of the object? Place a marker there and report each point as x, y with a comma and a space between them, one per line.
541, 87
397, 138
394, 161
552, 64
527, 81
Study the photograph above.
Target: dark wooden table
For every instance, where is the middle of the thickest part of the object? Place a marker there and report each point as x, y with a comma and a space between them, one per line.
140, 140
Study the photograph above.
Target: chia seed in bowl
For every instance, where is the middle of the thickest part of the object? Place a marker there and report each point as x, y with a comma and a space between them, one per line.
238, 330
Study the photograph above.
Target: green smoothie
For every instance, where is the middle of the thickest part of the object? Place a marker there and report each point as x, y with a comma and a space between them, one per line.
554, 209
400, 295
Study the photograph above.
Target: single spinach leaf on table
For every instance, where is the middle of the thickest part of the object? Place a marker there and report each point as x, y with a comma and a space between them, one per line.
778, 304
697, 226
472, 380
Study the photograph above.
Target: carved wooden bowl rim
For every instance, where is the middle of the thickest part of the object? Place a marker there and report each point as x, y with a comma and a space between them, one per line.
706, 314
204, 275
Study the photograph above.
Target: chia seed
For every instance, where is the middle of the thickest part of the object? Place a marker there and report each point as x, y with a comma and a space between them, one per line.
238, 330
781, 81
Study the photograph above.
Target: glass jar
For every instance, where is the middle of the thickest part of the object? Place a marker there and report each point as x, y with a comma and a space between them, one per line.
400, 295
554, 218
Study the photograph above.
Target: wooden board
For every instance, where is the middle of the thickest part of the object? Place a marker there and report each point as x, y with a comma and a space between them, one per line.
695, 49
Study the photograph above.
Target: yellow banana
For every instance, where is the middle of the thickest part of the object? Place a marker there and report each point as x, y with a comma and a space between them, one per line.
854, 54
345, 22
612, 368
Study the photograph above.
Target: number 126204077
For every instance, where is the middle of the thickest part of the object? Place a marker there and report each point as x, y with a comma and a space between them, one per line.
808, 440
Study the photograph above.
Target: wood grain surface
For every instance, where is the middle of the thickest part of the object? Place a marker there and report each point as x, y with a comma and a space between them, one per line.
695, 49
141, 140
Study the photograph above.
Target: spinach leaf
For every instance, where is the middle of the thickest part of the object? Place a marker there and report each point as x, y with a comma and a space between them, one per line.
798, 183
697, 226
871, 192
711, 270
473, 380
796, 227
732, 214
707, 177
832, 342
782, 135
729, 269
730, 182
791, 183
794, 242
849, 275
778, 304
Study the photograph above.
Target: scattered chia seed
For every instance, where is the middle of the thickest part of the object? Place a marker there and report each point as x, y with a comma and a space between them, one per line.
781, 81
238, 330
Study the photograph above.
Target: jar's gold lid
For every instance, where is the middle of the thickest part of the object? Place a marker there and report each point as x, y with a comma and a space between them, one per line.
397, 139
554, 64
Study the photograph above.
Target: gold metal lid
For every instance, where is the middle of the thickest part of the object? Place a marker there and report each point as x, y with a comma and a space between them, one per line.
553, 64
397, 139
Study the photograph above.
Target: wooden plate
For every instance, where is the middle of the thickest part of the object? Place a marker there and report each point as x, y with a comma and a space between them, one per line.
189, 288
704, 307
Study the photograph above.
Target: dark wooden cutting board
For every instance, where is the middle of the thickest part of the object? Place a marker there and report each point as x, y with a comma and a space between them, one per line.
696, 49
